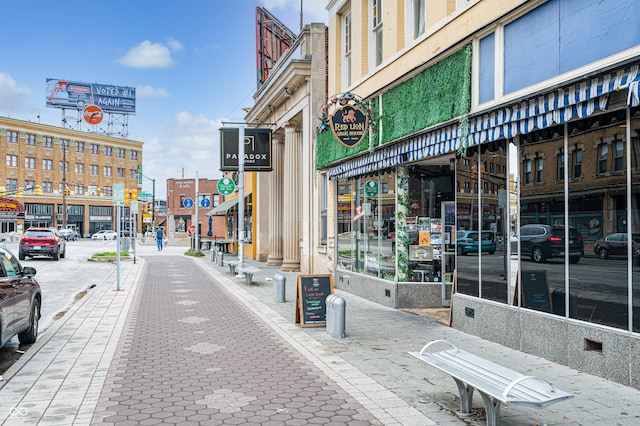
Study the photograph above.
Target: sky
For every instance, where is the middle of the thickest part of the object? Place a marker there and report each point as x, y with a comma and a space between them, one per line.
192, 62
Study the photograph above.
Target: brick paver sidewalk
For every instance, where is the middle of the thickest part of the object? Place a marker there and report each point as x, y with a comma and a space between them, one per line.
190, 353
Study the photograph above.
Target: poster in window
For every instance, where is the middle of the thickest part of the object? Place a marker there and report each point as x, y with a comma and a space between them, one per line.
424, 238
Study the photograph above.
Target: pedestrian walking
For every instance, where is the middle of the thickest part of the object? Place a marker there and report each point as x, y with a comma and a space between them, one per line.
159, 238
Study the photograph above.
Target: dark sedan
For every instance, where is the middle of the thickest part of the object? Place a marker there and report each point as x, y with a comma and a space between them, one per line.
616, 245
20, 300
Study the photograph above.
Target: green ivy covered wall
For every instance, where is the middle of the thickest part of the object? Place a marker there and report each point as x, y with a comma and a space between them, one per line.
435, 95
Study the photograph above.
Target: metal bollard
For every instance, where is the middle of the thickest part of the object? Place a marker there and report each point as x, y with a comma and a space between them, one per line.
220, 257
280, 288
336, 312
212, 255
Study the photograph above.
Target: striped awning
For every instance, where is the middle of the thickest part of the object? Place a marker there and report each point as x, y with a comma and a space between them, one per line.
556, 107
427, 144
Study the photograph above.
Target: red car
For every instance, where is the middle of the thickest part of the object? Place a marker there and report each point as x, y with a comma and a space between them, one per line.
616, 245
20, 300
42, 242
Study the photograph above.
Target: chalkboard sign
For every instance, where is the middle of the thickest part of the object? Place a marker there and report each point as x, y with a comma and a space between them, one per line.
311, 295
535, 291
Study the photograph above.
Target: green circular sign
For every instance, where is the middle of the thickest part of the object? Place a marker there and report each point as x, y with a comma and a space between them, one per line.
226, 186
371, 188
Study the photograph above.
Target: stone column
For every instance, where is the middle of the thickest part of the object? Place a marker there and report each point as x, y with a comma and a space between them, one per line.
275, 201
291, 199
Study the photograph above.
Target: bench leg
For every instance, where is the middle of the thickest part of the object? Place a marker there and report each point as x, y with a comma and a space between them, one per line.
466, 399
492, 407
248, 278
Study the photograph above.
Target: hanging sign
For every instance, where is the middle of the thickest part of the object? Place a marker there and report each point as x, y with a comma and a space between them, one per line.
349, 125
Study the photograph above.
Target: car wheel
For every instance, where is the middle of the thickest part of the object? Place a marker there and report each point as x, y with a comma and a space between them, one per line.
31, 334
491, 252
574, 259
56, 256
460, 251
603, 253
21, 256
64, 253
537, 255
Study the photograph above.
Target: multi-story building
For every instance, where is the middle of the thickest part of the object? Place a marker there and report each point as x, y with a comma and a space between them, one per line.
489, 115
58, 177
181, 215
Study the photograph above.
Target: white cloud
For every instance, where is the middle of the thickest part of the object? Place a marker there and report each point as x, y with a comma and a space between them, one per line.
180, 148
150, 55
147, 91
174, 45
13, 98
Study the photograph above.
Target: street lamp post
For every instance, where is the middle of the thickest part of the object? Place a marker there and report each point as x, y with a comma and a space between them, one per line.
64, 183
153, 204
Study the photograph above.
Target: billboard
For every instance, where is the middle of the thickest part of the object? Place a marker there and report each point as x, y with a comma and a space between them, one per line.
78, 95
257, 149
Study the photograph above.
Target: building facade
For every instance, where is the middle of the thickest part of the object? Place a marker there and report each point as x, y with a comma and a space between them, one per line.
495, 119
58, 177
182, 202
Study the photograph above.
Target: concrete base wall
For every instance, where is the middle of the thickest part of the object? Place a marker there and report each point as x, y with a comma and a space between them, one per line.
389, 293
597, 350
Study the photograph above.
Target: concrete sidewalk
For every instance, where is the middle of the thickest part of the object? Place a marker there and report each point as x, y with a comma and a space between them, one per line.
71, 376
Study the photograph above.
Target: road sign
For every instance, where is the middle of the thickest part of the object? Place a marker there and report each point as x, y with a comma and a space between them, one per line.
205, 203
226, 186
187, 203
118, 192
144, 195
191, 230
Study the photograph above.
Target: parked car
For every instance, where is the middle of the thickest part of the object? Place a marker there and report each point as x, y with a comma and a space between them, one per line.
20, 299
542, 242
68, 234
42, 242
616, 245
105, 234
467, 242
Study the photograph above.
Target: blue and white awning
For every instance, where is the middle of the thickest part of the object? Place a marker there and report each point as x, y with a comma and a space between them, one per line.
429, 144
557, 107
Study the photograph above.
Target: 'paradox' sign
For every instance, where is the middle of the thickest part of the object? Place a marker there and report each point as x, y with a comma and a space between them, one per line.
257, 150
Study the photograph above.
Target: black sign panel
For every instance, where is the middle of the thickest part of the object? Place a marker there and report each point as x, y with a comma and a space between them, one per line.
311, 303
257, 150
535, 291
349, 125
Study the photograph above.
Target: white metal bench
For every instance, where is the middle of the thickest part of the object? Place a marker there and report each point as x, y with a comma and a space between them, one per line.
496, 384
232, 264
248, 272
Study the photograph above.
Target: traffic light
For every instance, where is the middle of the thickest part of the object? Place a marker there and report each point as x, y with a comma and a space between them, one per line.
134, 194
127, 197
147, 207
38, 190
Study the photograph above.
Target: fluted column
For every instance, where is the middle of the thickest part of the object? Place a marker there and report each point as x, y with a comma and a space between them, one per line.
291, 199
275, 201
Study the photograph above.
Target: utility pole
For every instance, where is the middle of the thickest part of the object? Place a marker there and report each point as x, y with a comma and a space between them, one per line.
64, 183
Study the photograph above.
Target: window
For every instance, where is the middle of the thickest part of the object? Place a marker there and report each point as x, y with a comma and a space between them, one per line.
11, 184
93, 170
78, 189
12, 160
121, 152
561, 166
577, 163
80, 168
539, 167
30, 186
466, 187
527, 171
47, 187
324, 204
30, 139
47, 142
12, 136
64, 144
376, 27
108, 151
47, 164
94, 149
107, 191
133, 155
66, 167
79, 146
216, 200
133, 174
418, 17
29, 163
603, 153
106, 170
346, 66
121, 172
618, 156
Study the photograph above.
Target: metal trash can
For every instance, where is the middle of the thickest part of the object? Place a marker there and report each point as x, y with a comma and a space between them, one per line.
124, 244
336, 312
280, 288
220, 258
